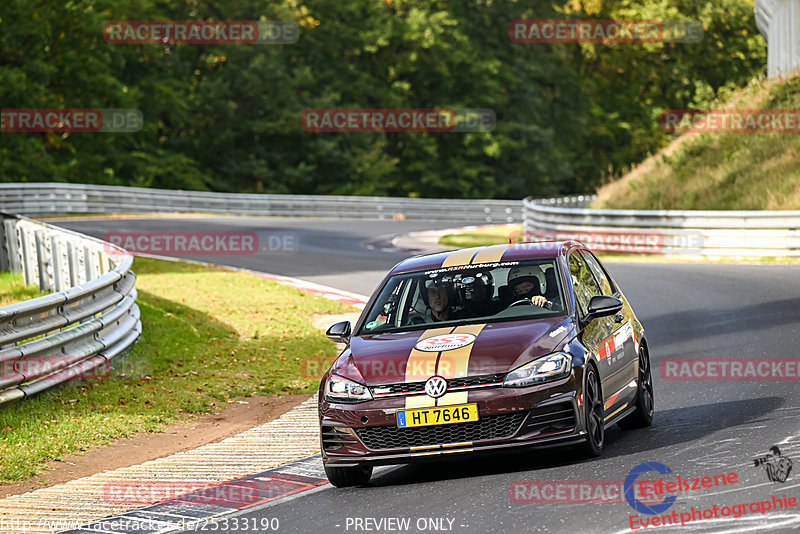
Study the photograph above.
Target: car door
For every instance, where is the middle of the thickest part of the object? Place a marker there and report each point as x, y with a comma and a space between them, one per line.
595, 335
619, 352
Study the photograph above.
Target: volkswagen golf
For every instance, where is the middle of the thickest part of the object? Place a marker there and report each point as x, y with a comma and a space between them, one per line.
484, 349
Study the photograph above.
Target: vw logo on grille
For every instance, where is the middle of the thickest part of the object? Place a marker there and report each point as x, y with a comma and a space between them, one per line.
436, 386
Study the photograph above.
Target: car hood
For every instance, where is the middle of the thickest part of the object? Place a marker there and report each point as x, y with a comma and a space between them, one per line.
497, 348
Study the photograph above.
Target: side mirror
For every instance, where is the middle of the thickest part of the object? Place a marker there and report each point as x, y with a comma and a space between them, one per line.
339, 333
601, 306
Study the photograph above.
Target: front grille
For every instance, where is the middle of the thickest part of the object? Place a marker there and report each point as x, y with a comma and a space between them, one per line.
394, 389
553, 418
391, 437
468, 381
475, 380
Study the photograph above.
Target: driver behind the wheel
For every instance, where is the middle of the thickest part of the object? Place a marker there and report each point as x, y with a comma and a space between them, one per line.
524, 283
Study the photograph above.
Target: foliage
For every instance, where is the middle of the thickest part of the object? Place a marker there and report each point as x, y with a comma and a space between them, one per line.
725, 171
226, 117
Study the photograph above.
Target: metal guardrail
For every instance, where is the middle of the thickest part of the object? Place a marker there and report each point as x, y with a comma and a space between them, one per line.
39, 199
705, 233
779, 23
75, 332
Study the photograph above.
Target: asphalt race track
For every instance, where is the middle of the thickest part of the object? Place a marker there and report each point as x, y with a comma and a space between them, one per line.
700, 429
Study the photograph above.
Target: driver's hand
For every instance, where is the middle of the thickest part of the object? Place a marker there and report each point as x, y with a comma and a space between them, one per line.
538, 300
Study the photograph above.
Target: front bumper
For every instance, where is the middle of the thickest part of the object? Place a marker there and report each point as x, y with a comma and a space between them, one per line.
544, 415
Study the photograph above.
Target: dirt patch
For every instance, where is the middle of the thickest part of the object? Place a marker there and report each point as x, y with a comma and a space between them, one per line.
237, 417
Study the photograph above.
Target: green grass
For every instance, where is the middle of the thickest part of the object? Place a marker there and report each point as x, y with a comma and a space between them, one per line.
13, 289
210, 335
721, 171
487, 235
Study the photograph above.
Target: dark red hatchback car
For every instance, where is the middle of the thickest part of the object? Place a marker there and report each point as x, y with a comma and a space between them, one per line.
485, 348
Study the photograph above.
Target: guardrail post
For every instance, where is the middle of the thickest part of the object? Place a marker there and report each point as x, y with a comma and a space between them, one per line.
90, 263
41, 260
27, 267
72, 261
5, 263
58, 271
87, 261
103, 262
12, 245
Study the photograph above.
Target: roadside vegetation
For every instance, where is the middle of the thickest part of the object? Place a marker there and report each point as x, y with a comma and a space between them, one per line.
13, 289
211, 335
226, 117
720, 171
483, 235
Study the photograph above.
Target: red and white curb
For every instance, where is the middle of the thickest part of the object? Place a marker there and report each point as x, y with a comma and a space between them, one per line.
353, 299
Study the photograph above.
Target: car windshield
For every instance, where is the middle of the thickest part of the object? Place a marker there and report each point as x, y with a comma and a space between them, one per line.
466, 294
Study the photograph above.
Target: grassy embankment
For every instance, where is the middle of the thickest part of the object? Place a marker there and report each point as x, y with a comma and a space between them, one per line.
704, 171
210, 335
720, 171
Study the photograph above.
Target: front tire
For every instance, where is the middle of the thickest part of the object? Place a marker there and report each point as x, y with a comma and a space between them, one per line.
593, 411
344, 477
642, 416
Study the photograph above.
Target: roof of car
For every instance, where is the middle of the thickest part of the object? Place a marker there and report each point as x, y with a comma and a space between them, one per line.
487, 254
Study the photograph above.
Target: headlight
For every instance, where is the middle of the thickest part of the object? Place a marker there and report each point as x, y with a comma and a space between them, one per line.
340, 389
552, 367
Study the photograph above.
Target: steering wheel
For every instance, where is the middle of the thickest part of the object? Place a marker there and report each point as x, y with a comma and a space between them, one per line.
528, 301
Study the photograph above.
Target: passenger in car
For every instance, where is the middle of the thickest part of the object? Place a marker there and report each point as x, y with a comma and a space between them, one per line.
477, 292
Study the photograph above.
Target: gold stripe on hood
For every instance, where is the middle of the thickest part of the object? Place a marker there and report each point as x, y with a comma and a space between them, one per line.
455, 364
420, 366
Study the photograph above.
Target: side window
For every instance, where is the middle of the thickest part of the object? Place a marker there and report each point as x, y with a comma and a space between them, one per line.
582, 282
388, 309
599, 273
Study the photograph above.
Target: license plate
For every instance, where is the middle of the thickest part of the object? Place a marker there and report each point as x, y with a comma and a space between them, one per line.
440, 415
